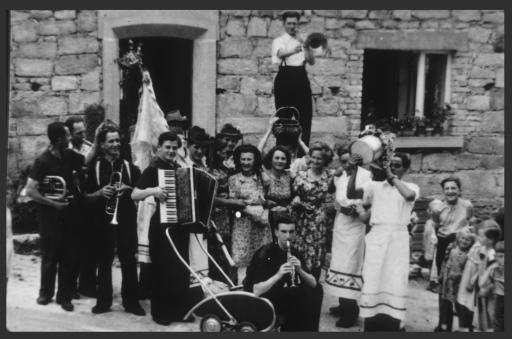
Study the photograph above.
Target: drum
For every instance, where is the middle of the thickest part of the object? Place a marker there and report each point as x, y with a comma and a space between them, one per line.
368, 147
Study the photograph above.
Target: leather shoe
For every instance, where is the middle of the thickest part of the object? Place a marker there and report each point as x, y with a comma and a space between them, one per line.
67, 306
335, 310
162, 321
98, 309
344, 324
43, 300
137, 310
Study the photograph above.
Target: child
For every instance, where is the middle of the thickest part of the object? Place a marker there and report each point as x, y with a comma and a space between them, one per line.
430, 244
492, 281
450, 277
467, 292
488, 237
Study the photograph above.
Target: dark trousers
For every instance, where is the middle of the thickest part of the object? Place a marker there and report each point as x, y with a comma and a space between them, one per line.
349, 311
124, 237
80, 231
445, 313
170, 279
499, 314
145, 280
465, 316
54, 240
381, 323
300, 308
88, 265
442, 245
292, 88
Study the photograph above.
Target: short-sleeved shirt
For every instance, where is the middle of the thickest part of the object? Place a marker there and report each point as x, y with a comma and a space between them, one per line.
47, 164
287, 42
452, 218
388, 206
265, 263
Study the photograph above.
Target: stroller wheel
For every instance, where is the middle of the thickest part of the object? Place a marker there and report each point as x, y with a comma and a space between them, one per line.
210, 323
246, 326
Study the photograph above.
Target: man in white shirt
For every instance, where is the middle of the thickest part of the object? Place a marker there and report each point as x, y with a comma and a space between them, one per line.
386, 258
78, 142
291, 85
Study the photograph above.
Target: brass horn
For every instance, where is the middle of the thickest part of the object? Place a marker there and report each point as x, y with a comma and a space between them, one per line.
317, 42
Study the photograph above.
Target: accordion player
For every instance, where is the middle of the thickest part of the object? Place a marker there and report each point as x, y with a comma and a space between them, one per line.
191, 193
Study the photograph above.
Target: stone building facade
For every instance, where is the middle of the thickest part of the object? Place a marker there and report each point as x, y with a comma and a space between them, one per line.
63, 61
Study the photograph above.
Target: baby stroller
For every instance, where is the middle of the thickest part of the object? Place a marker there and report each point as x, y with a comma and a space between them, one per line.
230, 311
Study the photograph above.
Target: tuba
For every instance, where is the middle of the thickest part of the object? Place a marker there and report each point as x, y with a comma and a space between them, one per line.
54, 187
317, 42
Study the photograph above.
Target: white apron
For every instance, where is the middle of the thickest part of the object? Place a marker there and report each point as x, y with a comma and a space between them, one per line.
343, 277
385, 272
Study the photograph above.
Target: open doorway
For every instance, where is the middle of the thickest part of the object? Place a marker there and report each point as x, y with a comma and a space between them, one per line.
169, 62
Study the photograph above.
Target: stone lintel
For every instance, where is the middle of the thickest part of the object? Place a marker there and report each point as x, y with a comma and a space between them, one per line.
413, 40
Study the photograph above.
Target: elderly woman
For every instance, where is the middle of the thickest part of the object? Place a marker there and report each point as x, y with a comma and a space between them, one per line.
310, 209
250, 229
450, 216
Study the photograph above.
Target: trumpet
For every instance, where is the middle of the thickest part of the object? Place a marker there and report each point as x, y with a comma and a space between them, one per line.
112, 204
289, 255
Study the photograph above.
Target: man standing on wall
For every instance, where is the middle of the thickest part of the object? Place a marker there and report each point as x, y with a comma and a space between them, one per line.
291, 85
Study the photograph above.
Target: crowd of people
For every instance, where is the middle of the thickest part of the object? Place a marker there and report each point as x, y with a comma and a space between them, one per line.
264, 200
293, 193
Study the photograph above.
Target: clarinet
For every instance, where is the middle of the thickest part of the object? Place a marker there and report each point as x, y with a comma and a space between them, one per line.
289, 255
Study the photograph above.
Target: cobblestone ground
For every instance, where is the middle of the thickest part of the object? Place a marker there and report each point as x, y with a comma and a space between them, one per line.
24, 314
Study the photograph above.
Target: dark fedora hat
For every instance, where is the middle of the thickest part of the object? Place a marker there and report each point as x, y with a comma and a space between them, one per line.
174, 115
230, 131
198, 135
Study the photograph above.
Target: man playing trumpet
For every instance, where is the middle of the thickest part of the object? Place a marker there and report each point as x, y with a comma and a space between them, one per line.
109, 183
269, 274
291, 85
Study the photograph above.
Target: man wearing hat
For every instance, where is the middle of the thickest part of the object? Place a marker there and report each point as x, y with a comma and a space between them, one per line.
198, 142
291, 85
229, 136
178, 124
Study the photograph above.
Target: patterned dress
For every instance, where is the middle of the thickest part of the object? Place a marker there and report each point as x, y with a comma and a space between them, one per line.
312, 221
221, 215
451, 273
247, 236
279, 190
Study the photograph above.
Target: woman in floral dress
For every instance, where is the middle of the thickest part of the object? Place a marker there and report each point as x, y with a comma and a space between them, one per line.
311, 210
250, 229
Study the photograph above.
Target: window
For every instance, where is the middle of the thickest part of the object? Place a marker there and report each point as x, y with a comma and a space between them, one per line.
402, 84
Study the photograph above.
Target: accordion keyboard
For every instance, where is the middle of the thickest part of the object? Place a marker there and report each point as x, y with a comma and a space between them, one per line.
169, 214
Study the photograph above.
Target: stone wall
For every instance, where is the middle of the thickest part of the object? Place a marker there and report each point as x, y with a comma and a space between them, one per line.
56, 71
245, 81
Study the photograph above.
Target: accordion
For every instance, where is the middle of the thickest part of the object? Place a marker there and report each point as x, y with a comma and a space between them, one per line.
190, 196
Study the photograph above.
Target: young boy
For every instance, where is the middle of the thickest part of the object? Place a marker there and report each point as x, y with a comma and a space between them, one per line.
488, 236
493, 281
